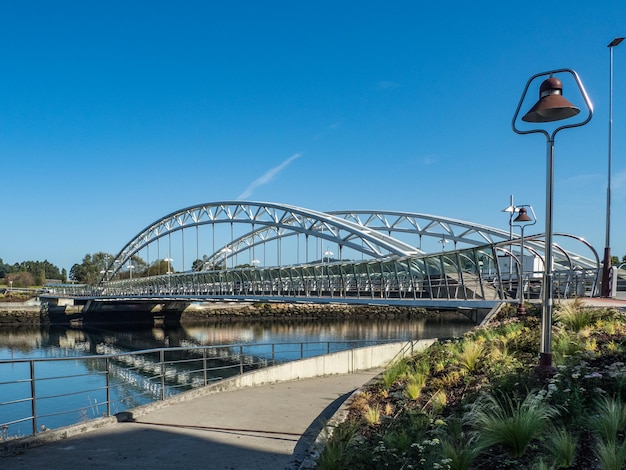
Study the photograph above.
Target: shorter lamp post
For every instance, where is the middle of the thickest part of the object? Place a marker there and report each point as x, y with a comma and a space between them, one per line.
226, 251
523, 220
130, 270
169, 265
551, 107
327, 255
443, 242
169, 273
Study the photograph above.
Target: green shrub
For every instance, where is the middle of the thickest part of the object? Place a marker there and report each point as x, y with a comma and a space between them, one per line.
470, 354
575, 316
509, 422
561, 444
611, 455
608, 419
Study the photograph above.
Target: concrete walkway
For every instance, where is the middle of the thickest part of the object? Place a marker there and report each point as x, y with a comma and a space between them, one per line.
263, 427
619, 301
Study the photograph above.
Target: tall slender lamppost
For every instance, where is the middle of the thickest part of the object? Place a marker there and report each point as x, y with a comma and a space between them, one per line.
551, 107
523, 220
512, 210
606, 264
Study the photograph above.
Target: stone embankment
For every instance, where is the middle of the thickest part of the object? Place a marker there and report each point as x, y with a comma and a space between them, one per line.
23, 314
274, 311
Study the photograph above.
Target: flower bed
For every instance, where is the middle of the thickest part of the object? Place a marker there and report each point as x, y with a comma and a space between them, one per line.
478, 401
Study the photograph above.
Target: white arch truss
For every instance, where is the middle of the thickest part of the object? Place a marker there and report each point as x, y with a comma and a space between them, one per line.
367, 232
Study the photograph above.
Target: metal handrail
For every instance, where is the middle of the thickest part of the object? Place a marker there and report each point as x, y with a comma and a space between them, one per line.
161, 372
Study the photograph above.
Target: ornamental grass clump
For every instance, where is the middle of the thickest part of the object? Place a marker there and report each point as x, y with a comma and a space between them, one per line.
372, 414
470, 354
414, 386
565, 345
509, 422
335, 448
608, 419
398, 370
561, 445
457, 446
575, 316
611, 455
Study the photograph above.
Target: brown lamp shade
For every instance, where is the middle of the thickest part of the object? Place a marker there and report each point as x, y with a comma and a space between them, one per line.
552, 106
523, 216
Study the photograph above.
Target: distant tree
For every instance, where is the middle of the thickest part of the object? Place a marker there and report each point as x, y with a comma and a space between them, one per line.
39, 271
21, 279
158, 267
138, 270
91, 270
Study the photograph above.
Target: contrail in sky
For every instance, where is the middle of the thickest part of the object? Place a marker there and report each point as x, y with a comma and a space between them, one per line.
267, 177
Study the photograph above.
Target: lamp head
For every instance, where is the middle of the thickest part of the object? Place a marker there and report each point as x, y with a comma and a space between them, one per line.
523, 216
552, 106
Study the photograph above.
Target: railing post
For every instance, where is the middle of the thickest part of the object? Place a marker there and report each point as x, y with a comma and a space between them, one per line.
33, 392
240, 360
107, 367
301, 350
273, 353
204, 366
162, 357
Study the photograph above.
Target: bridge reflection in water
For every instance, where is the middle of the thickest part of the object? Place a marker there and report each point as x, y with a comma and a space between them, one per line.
486, 266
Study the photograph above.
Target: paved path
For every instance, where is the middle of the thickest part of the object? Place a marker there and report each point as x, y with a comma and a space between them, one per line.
265, 427
619, 301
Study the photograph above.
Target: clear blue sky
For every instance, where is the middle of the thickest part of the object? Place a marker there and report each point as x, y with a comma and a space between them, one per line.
113, 114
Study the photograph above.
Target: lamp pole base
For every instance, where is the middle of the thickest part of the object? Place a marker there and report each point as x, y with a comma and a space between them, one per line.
545, 369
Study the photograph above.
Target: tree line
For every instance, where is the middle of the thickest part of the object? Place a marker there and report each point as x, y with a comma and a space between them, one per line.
30, 273
95, 266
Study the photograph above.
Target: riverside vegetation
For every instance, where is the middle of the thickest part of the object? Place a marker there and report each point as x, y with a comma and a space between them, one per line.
477, 402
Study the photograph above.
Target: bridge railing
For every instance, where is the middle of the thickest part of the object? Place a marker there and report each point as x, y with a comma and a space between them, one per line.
471, 274
46, 393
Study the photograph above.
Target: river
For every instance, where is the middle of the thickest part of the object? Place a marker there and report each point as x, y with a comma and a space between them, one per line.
53, 341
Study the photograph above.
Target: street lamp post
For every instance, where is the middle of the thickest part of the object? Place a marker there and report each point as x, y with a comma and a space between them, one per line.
327, 255
227, 251
522, 220
512, 210
169, 265
169, 273
443, 242
551, 107
606, 264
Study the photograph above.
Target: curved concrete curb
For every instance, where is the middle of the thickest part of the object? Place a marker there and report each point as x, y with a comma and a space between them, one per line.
310, 462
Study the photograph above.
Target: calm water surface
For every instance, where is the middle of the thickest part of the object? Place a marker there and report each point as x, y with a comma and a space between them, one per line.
49, 341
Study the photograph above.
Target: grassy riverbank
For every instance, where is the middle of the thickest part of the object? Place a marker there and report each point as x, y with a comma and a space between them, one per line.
478, 402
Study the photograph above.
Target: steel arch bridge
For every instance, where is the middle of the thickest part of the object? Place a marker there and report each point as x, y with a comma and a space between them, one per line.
390, 255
